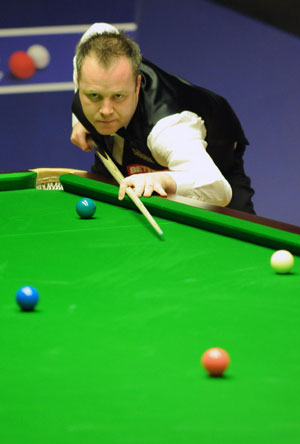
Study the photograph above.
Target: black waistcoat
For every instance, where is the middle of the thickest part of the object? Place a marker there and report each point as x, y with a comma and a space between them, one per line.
163, 94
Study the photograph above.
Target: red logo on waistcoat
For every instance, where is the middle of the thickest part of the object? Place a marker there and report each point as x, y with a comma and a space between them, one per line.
138, 169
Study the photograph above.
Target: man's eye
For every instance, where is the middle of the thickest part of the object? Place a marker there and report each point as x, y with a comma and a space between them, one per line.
119, 96
94, 97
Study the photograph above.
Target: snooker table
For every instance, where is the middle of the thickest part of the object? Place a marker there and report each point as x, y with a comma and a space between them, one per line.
112, 352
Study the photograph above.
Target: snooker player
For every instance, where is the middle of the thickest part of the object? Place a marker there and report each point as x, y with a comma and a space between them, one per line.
164, 134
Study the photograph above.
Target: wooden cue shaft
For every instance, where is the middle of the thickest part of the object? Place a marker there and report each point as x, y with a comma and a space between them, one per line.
118, 176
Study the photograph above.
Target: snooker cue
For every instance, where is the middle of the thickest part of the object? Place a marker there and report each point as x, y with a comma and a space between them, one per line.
118, 176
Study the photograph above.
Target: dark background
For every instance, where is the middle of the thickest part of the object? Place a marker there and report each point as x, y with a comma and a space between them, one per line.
247, 51
282, 14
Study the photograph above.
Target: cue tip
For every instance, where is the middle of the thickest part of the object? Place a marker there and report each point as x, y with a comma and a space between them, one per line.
161, 234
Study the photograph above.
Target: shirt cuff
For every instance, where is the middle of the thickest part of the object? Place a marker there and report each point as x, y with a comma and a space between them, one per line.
74, 120
218, 192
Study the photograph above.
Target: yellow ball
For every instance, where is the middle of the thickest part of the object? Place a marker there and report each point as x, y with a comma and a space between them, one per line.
282, 261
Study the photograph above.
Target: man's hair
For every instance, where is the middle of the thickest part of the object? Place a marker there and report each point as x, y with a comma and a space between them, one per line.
107, 47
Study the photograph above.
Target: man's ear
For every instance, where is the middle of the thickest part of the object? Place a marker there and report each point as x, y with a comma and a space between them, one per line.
138, 83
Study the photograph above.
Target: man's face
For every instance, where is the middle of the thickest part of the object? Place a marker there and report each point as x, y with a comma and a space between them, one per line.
108, 95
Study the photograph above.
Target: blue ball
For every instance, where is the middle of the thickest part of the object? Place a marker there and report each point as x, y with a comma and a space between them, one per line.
86, 208
27, 298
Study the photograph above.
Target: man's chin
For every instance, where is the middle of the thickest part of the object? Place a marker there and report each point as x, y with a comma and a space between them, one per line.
106, 129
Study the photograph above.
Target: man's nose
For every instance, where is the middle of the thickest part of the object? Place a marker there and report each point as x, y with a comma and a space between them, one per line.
105, 107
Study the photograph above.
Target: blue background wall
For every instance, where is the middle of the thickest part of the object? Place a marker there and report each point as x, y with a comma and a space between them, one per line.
255, 66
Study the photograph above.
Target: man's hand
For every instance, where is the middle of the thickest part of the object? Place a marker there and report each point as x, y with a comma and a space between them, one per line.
146, 184
78, 137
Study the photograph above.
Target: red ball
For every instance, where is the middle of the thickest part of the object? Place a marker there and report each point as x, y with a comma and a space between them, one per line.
215, 361
21, 65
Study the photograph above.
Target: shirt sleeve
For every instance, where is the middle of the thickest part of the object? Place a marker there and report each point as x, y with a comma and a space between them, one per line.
96, 28
178, 142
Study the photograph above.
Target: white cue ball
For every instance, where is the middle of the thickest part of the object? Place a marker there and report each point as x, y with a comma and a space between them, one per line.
40, 56
282, 261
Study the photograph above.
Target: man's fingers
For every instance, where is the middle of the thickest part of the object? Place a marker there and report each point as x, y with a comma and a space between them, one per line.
139, 186
127, 182
153, 183
149, 185
160, 190
81, 143
143, 185
148, 190
78, 137
137, 182
122, 190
